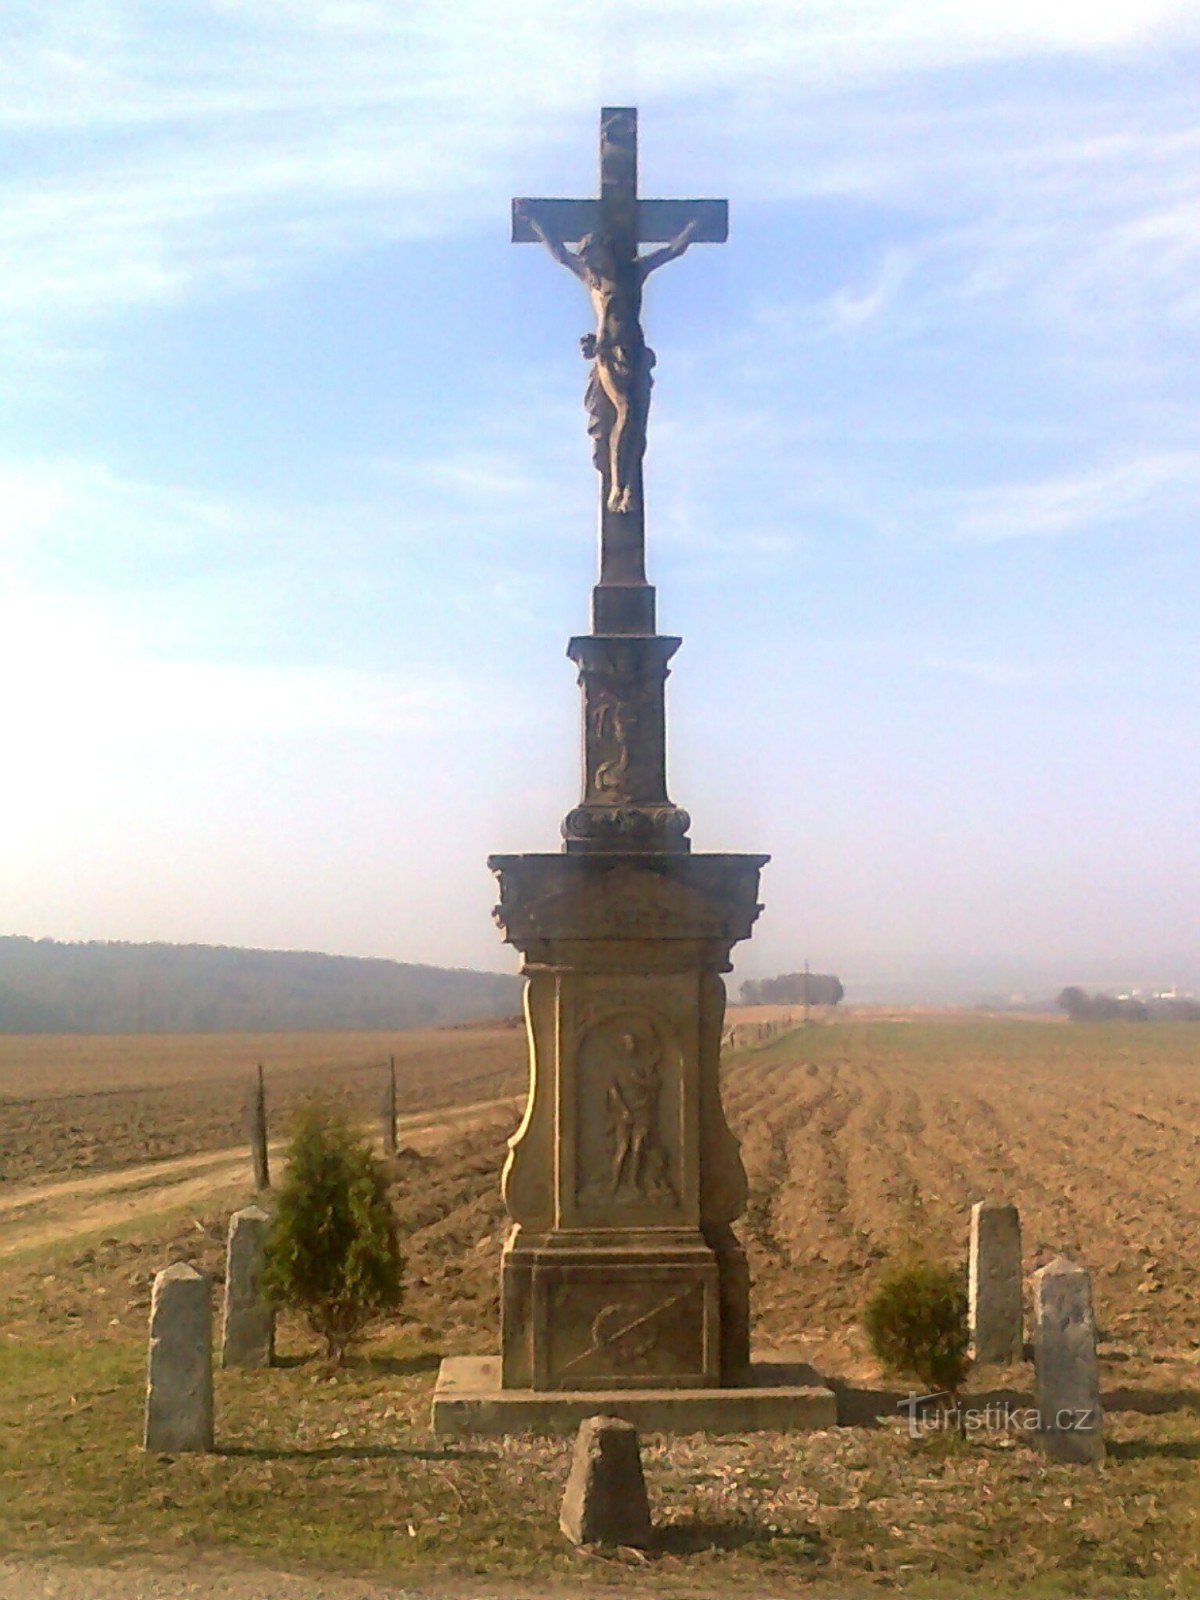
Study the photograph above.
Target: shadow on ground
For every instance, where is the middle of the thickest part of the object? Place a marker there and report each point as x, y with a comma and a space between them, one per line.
1153, 1449
691, 1536
350, 1452
366, 1365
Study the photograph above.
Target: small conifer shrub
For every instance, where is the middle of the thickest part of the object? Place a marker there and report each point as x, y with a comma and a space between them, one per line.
917, 1324
333, 1252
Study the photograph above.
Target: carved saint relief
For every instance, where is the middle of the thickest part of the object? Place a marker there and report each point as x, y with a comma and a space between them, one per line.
639, 1162
626, 1143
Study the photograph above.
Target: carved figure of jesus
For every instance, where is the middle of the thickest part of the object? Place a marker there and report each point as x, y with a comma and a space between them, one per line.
618, 392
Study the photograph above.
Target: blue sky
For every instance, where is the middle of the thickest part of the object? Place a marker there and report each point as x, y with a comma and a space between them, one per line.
296, 513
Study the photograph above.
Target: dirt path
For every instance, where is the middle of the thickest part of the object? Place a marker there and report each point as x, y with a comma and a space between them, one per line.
37, 1216
41, 1580
207, 1579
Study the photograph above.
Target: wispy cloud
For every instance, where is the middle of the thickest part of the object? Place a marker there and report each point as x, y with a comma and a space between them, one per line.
71, 501
222, 143
1057, 507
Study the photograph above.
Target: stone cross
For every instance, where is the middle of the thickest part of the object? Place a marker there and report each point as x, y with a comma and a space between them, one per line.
608, 231
621, 1274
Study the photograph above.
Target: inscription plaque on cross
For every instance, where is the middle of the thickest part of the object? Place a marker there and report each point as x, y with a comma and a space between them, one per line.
607, 233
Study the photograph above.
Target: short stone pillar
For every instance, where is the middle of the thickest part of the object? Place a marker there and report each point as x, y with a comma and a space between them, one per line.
248, 1334
605, 1500
1064, 1353
995, 1283
179, 1387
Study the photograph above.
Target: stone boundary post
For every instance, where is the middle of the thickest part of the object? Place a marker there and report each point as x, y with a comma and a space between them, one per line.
179, 1386
1064, 1353
605, 1499
248, 1334
995, 1283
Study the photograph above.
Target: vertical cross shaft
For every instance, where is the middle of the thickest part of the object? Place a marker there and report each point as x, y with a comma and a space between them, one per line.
622, 534
619, 178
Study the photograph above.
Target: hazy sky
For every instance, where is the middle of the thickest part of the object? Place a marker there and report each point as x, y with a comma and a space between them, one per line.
297, 515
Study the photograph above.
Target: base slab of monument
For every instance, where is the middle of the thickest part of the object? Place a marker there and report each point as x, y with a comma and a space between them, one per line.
470, 1400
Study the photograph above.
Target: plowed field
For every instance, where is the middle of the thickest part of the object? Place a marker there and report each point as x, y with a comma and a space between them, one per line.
860, 1137
79, 1104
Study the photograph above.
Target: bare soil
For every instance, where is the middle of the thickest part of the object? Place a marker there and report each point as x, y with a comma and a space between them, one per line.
77, 1103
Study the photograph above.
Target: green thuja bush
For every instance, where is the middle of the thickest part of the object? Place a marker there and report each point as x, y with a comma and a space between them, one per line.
332, 1251
917, 1323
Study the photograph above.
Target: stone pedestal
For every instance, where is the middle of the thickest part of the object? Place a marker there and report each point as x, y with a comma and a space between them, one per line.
622, 1271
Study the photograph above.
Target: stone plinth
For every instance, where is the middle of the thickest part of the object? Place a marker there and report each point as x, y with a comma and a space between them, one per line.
622, 1271
995, 1283
1064, 1354
470, 1401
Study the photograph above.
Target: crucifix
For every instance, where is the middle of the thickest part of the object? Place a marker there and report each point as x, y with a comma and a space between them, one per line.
621, 1269
607, 233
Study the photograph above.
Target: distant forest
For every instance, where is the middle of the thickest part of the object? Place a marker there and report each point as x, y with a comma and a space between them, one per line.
1083, 1007
793, 989
47, 987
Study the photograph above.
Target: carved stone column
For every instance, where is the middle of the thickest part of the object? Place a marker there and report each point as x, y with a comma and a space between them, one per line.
622, 1270
624, 804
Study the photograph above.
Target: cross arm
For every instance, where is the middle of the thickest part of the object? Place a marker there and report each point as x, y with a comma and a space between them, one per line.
659, 221
567, 220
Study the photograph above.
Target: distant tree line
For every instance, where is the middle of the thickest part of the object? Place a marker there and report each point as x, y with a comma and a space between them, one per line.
793, 989
1083, 1007
52, 987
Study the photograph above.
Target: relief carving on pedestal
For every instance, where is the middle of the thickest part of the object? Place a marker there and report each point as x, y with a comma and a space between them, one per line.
623, 725
610, 724
602, 1332
627, 1114
639, 1162
625, 1336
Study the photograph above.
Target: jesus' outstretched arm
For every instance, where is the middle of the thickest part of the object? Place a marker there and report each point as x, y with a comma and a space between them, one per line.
669, 252
556, 247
